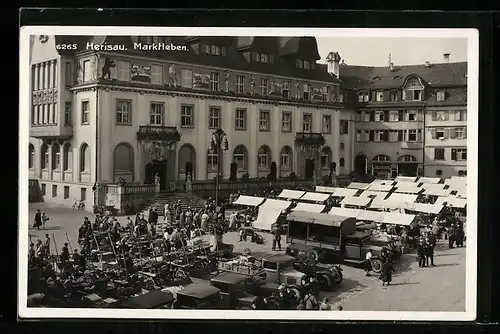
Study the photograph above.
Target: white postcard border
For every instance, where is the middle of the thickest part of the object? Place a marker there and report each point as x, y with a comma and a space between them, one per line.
472, 36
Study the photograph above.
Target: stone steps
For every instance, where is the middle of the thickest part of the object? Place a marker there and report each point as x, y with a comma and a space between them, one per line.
171, 198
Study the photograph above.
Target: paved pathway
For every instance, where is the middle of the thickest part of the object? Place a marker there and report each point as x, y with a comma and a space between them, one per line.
441, 288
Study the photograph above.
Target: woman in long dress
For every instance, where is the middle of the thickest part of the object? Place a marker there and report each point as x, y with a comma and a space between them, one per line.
387, 271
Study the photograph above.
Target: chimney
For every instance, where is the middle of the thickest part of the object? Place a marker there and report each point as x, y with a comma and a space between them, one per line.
446, 57
427, 64
333, 63
391, 64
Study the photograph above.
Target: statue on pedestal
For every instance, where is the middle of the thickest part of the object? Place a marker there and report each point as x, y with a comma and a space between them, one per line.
173, 75
314, 179
157, 179
227, 81
252, 83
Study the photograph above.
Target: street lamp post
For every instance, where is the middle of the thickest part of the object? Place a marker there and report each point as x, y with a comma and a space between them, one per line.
218, 144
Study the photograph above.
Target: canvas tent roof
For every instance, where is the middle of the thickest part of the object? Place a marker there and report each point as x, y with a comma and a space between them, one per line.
337, 192
358, 185
384, 182
402, 198
249, 200
315, 197
347, 224
408, 188
370, 215
385, 204
291, 194
405, 179
398, 219
344, 212
374, 186
374, 194
269, 213
429, 180
425, 208
452, 201
358, 201
308, 207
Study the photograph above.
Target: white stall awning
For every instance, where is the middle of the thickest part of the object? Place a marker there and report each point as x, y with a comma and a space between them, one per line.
452, 201
408, 188
462, 193
291, 194
380, 187
358, 185
425, 208
337, 192
315, 197
344, 212
249, 200
358, 201
385, 182
308, 207
398, 219
368, 215
457, 181
269, 213
406, 179
436, 192
402, 198
374, 194
386, 204
433, 186
429, 180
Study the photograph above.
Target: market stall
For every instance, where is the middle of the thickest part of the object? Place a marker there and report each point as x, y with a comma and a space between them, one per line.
375, 186
358, 185
408, 188
374, 194
398, 219
308, 207
249, 200
356, 201
314, 197
430, 180
344, 212
269, 213
291, 194
337, 192
402, 198
406, 179
452, 201
425, 208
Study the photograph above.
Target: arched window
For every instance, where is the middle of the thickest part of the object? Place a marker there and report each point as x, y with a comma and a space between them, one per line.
84, 158
407, 158
212, 160
67, 157
123, 162
56, 157
31, 156
326, 157
240, 157
286, 158
382, 158
342, 162
264, 157
44, 156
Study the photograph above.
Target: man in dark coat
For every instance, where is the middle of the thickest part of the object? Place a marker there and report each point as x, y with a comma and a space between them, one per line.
277, 238
153, 216
451, 236
459, 236
421, 252
38, 219
387, 271
65, 253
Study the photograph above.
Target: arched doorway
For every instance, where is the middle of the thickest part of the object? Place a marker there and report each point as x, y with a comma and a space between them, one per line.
360, 164
123, 162
187, 162
407, 165
382, 166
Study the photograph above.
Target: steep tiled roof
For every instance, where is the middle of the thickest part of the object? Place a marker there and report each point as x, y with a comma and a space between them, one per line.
235, 60
435, 75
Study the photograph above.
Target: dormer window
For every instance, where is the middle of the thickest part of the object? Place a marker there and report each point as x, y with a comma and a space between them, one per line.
440, 96
363, 97
215, 50
413, 90
380, 96
394, 96
307, 65
300, 63
263, 57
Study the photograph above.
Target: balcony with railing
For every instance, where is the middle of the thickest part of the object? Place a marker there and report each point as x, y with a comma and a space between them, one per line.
51, 131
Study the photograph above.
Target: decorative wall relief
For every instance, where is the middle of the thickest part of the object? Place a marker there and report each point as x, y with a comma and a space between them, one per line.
54, 95
79, 72
45, 97
39, 98
275, 88
107, 65
172, 74
227, 81
335, 93
140, 73
51, 96
252, 83
317, 94
201, 81
297, 90
34, 98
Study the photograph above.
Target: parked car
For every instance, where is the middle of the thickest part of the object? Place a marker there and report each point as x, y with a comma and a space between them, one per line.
233, 293
154, 299
198, 296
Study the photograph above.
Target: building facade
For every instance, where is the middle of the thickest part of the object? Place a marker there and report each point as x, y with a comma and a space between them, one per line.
410, 120
131, 114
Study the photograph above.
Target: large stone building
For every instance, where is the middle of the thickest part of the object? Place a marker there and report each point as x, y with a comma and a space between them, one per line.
128, 113
410, 120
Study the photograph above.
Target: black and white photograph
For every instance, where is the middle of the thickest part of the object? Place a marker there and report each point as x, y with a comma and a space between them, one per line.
248, 173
